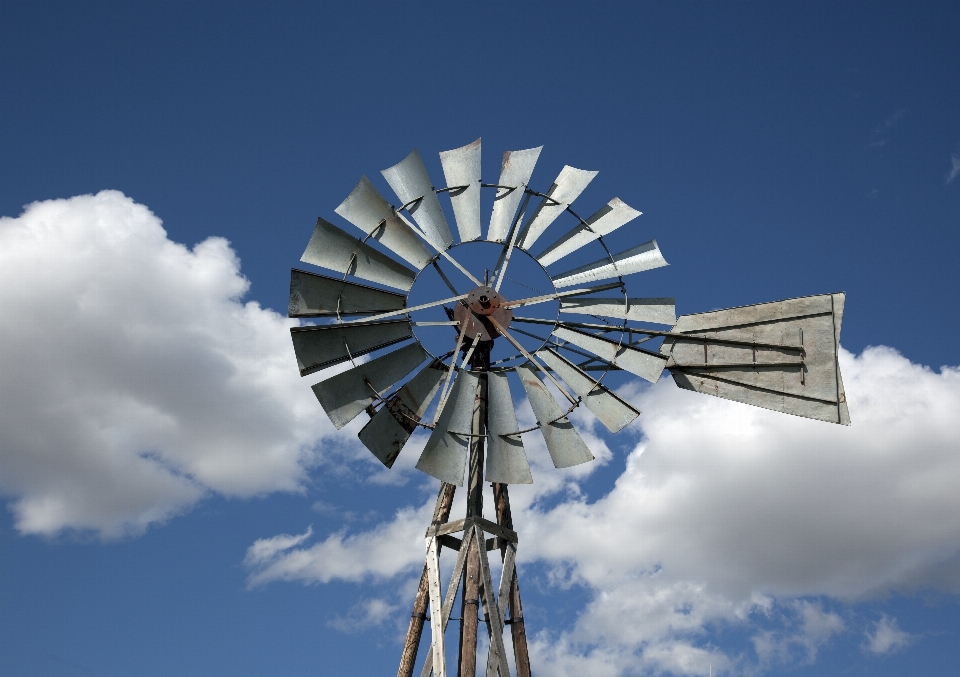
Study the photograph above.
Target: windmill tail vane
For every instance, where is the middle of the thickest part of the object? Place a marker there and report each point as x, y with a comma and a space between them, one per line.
563, 343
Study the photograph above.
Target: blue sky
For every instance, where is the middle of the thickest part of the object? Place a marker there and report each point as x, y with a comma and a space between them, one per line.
154, 428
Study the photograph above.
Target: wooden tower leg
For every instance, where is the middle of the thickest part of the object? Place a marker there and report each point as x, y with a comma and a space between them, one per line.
472, 573
441, 513
517, 631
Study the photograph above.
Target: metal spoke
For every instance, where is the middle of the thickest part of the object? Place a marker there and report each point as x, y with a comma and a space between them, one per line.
404, 311
533, 360
560, 294
442, 252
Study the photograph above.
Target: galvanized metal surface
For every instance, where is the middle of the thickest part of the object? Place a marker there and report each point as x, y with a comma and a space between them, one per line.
506, 458
333, 248
653, 310
637, 259
646, 365
610, 217
612, 411
461, 167
345, 395
410, 181
565, 189
445, 455
320, 347
313, 295
564, 443
392, 425
515, 172
766, 376
369, 211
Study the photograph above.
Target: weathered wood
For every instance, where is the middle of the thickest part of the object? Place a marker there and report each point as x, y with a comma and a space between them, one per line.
506, 578
473, 540
448, 601
436, 619
464, 524
517, 630
448, 528
497, 529
497, 656
408, 658
470, 609
448, 541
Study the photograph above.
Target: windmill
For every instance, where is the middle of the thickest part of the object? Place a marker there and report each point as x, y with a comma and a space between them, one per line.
578, 327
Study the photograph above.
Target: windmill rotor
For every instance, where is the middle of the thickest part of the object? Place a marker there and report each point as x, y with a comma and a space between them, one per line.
778, 355
425, 341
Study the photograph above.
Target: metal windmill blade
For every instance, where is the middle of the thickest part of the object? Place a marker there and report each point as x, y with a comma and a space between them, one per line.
613, 412
346, 395
326, 345
565, 189
654, 310
445, 456
369, 211
782, 356
611, 216
411, 183
515, 172
333, 248
646, 256
388, 431
506, 457
313, 295
461, 169
564, 443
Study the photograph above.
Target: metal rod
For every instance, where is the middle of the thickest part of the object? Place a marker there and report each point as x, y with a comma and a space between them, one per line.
556, 295
653, 332
404, 311
738, 365
508, 250
530, 357
444, 392
442, 252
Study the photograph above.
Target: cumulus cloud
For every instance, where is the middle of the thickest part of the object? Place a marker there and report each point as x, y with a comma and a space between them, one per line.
886, 637
729, 516
136, 380
390, 548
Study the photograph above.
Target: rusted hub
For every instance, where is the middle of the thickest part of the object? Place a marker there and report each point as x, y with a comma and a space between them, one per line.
482, 302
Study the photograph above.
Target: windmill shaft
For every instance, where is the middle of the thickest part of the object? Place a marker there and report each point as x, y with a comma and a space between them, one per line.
470, 608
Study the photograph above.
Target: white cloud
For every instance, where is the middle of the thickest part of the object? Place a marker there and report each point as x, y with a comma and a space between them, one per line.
366, 614
383, 552
954, 169
266, 549
728, 516
135, 379
887, 637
